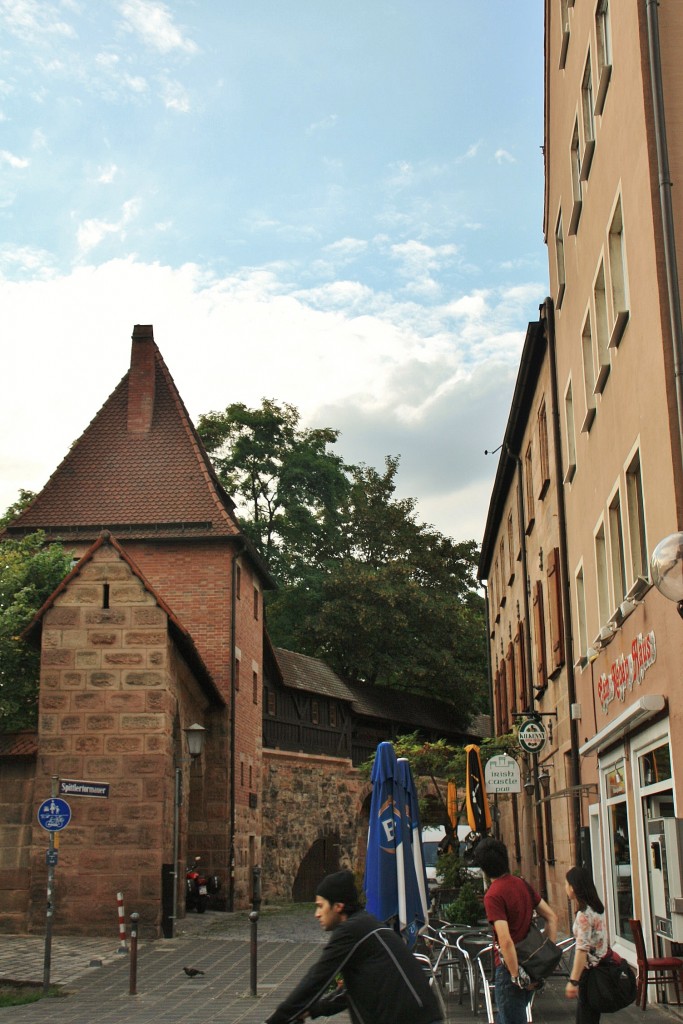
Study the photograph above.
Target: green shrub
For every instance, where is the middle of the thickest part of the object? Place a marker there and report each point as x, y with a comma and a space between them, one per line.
467, 908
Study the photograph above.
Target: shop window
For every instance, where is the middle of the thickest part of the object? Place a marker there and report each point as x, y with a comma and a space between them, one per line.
570, 434
655, 766
636, 518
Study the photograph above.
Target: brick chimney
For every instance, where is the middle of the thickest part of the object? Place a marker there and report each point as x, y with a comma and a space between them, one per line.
141, 380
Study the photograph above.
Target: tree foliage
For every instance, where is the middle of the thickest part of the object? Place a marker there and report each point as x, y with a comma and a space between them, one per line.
379, 596
30, 570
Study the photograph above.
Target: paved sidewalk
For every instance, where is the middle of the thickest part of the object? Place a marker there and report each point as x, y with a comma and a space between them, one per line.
218, 944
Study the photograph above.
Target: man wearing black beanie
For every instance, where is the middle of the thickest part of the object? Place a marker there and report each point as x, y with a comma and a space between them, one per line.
383, 982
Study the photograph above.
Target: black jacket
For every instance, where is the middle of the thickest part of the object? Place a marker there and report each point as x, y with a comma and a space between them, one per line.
383, 982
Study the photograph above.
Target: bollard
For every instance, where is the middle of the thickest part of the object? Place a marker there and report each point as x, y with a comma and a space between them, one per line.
253, 917
123, 946
133, 987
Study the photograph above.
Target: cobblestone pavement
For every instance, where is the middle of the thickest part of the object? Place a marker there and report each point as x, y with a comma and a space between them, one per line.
289, 940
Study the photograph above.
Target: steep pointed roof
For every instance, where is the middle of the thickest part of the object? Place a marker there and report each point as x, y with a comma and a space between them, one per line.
139, 469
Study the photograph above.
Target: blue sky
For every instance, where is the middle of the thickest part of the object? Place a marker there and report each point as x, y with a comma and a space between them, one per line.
332, 204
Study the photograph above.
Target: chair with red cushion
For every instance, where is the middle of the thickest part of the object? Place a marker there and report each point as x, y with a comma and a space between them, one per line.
661, 970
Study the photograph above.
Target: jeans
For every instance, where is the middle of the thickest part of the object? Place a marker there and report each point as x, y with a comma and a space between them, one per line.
510, 1000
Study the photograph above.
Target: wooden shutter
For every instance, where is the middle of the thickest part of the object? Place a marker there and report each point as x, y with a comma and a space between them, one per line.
555, 608
504, 699
520, 667
540, 668
512, 689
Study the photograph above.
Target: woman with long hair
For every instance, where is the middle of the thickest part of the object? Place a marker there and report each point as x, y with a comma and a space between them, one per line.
591, 939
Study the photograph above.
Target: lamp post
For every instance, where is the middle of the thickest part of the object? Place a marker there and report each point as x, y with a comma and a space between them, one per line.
195, 744
666, 568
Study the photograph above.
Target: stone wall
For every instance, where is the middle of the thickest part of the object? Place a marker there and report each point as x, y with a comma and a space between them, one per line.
16, 816
307, 798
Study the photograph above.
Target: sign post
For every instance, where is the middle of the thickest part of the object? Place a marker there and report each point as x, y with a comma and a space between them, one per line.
53, 815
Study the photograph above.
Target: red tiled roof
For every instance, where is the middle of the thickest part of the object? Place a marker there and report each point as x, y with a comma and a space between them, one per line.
138, 484
19, 744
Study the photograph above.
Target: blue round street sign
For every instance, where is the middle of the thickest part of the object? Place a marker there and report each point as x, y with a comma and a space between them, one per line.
54, 814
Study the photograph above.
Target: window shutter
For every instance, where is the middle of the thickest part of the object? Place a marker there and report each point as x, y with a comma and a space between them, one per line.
555, 608
540, 671
504, 698
512, 690
520, 667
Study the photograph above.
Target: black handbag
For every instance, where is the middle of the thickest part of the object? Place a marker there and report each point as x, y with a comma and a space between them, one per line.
537, 954
610, 985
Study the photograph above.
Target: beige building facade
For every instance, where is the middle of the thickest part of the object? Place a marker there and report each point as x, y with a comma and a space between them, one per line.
613, 150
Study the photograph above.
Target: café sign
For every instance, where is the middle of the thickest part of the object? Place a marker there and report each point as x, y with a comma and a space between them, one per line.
627, 670
532, 736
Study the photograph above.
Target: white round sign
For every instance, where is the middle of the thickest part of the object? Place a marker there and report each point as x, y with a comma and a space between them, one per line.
532, 736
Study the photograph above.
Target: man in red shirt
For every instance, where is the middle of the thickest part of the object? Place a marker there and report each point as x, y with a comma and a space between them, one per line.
509, 903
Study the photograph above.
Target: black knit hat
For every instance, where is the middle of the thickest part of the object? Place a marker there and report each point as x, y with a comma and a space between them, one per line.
339, 888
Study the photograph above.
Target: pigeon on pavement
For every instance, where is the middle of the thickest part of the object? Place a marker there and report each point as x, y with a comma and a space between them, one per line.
192, 972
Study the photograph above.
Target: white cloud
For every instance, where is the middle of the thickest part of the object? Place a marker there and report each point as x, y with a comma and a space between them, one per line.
107, 174
154, 23
502, 156
92, 231
175, 97
324, 124
16, 162
31, 19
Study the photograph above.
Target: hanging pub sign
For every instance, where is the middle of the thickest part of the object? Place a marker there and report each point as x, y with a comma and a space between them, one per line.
502, 775
532, 736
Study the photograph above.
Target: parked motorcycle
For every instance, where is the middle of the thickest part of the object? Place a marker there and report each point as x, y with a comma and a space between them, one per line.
198, 887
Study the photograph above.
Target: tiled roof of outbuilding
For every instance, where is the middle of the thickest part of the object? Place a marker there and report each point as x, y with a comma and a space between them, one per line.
301, 672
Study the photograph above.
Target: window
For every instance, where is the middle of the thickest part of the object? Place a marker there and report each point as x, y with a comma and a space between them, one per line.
587, 120
581, 614
520, 664
501, 565
601, 574
559, 260
616, 537
512, 687
564, 24
588, 374
271, 702
529, 488
601, 331
543, 450
254, 687
333, 716
540, 671
618, 277
554, 581
237, 675
505, 719
577, 188
636, 519
511, 549
570, 434
256, 602
242, 770
315, 712
603, 35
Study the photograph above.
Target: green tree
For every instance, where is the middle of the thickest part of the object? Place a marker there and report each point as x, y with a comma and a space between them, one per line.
287, 479
30, 570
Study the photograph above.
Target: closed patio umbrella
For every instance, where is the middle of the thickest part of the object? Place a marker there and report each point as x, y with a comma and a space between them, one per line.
390, 883
478, 811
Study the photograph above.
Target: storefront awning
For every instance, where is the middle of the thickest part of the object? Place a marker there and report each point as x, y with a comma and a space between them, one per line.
634, 715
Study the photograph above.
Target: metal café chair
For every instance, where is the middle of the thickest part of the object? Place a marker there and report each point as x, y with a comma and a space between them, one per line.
472, 945
428, 968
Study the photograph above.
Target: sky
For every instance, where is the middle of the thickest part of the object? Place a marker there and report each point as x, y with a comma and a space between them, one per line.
335, 204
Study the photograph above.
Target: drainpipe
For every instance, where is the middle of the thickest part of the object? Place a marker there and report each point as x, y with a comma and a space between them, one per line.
669, 233
540, 845
239, 548
548, 314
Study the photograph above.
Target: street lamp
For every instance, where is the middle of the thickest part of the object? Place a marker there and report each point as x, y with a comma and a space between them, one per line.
666, 567
195, 744
195, 739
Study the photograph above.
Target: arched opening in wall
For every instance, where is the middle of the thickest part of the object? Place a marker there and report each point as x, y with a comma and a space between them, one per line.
322, 859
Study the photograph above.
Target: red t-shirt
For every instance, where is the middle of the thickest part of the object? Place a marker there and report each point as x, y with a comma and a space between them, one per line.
511, 899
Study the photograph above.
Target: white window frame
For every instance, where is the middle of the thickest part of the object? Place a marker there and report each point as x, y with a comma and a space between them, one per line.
587, 118
637, 517
616, 759
618, 274
588, 371
577, 186
617, 547
559, 261
601, 334
581, 620
601, 572
570, 432
603, 35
